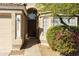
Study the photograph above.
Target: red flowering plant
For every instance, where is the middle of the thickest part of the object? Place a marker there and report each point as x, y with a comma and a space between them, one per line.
75, 34
76, 37
62, 40
58, 35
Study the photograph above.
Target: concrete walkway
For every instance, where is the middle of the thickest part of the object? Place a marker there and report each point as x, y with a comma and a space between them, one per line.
31, 48
32, 51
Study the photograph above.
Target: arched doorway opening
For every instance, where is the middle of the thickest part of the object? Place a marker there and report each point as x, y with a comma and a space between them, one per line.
32, 22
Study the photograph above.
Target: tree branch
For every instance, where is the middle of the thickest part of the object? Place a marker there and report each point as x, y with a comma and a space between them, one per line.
67, 26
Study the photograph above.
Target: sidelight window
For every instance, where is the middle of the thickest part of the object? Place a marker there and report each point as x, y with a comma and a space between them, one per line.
18, 26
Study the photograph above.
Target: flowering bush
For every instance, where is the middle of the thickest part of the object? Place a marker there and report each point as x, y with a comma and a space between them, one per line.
62, 40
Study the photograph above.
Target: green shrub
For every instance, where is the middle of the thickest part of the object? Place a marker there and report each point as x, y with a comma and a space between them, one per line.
61, 39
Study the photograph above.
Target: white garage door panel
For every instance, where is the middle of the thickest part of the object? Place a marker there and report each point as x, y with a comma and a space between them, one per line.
5, 36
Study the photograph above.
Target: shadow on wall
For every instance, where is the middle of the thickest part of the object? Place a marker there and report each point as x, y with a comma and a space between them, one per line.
31, 41
40, 31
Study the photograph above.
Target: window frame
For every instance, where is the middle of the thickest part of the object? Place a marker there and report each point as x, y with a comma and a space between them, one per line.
16, 37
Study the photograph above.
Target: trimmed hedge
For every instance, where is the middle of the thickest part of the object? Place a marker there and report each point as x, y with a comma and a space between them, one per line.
62, 40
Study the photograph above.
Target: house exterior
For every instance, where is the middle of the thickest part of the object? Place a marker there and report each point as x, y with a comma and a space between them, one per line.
13, 24
47, 20
18, 23
44, 24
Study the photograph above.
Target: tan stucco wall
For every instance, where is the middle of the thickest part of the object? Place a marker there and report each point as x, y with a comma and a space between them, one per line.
24, 27
12, 43
17, 43
5, 36
42, 33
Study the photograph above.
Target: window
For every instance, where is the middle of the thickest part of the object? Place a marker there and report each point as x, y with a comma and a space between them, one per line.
56, 21
72, 21
46, 23
18, 26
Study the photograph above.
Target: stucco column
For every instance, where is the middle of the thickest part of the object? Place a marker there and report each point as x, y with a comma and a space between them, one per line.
17, 41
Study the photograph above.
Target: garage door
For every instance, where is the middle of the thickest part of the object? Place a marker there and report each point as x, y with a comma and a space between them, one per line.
5, 36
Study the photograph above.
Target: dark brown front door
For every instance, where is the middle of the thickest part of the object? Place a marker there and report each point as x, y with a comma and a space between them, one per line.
32, 28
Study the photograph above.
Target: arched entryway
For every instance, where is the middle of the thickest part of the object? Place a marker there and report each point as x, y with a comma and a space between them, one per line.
32, 29
32, 22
